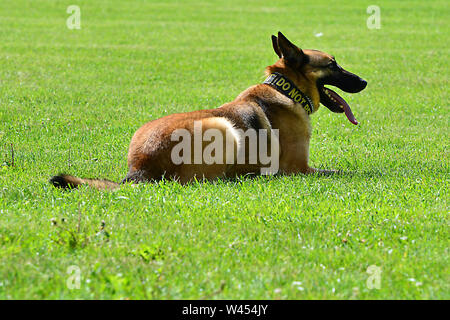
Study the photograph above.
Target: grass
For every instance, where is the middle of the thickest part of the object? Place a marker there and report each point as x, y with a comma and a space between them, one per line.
70, 101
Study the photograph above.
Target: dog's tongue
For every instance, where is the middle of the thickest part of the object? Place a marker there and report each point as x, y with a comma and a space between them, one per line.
349, 114
345, 106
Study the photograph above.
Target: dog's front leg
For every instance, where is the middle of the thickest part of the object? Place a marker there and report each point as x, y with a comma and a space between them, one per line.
294, 157
295, 161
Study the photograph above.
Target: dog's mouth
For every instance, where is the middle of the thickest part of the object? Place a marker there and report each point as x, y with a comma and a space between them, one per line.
336, 103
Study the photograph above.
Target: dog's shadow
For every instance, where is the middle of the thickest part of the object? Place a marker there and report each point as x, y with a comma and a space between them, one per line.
339, 174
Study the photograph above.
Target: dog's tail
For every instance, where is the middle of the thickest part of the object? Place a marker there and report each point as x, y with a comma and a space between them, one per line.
70, 182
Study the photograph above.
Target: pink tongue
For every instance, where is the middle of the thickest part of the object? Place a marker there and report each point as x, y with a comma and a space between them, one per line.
349, 114
344, 104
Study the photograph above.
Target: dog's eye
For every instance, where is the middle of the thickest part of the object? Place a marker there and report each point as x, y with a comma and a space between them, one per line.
332, 65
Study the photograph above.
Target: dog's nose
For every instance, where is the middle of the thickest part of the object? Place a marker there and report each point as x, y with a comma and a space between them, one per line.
363, 84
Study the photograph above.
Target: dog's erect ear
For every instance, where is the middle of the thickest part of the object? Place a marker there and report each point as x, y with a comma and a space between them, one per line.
290, 52
275, 46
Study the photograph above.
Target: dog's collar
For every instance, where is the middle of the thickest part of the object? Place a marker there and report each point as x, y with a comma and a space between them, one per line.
289, 89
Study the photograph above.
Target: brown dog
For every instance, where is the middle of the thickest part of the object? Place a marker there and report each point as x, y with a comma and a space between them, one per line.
282, 104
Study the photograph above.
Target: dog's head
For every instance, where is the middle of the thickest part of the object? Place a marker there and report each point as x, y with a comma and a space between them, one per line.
318, 69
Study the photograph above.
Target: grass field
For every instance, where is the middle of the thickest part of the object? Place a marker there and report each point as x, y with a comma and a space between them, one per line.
70, 101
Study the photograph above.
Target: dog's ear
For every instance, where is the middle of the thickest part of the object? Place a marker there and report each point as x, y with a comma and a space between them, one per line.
275, 46
293, 55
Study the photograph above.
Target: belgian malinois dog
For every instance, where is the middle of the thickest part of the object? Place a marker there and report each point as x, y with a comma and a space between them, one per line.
294, 89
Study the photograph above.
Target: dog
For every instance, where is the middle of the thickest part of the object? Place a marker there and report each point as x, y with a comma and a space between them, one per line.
293, 90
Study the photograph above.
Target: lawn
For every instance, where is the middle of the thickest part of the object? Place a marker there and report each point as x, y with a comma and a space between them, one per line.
70, 101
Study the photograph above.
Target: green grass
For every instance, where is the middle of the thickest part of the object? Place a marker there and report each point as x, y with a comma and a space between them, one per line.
70, 101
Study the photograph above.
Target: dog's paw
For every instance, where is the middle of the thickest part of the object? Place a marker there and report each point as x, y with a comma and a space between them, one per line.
323, 172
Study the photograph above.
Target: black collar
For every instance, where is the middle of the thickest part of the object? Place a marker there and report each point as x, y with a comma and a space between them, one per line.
288, 88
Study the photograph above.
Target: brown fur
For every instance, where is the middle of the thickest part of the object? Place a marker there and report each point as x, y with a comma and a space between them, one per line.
258, 107
71, 182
